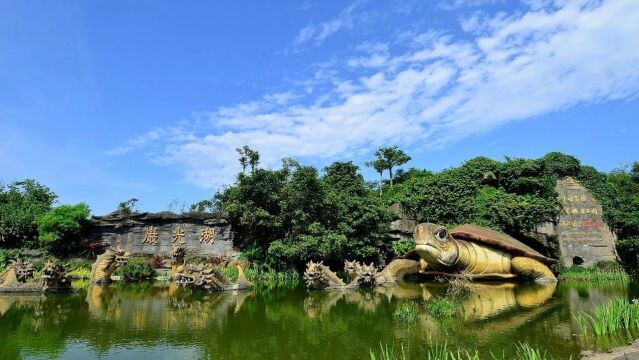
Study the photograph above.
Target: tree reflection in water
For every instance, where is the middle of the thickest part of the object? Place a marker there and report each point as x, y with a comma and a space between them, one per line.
142, 320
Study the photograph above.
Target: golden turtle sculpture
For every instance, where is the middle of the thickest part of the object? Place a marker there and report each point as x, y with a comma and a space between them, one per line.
478, 252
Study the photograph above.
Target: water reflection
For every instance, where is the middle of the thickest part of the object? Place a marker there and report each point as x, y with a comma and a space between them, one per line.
142, 320
477, 301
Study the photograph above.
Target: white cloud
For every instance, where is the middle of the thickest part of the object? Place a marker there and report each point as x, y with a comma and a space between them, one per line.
318, 33
441, 90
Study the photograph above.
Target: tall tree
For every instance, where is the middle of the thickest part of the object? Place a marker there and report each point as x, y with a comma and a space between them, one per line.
250, 156
392, 157
243, 159
379, 165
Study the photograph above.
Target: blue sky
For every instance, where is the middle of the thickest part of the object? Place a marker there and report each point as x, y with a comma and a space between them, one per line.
104, 101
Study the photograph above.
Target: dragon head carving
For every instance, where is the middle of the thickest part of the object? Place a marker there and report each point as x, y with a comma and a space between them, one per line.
23, 270
365, 274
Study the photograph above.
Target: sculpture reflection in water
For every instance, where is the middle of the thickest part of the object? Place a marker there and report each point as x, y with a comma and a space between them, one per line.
162, 307
479, 300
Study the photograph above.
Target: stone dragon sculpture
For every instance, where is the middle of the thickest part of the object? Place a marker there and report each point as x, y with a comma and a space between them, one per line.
319, 276
178, 253
16, 275
19, 277
209, 278
105, 264
55, 278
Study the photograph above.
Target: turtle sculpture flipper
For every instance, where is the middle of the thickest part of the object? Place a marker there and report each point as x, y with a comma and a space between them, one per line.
479, 253
397, 270
529, 268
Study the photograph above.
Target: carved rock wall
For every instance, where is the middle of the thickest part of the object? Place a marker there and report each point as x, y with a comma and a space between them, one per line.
581, 233
203, 234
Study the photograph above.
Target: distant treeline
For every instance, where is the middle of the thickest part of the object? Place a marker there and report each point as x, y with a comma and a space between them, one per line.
286, 217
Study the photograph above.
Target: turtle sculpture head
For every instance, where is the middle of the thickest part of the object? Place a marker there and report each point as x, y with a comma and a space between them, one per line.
434, 244
479, 252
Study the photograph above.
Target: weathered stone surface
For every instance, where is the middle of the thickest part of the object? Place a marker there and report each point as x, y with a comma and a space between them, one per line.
203, 234
405, 223
582, 235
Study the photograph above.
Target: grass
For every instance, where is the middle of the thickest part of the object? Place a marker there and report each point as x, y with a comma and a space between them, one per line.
442, 308
527, 352
80, 273
442, 352
407, 313
388, 353
608, 319
600, 272
272, 279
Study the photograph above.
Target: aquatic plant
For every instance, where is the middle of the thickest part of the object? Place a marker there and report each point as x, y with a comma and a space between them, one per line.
442, 307
524, 351
527, 352
441, 352
407, 312
607, 319
387, 353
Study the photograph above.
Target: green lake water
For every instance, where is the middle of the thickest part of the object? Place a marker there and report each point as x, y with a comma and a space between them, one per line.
157, 321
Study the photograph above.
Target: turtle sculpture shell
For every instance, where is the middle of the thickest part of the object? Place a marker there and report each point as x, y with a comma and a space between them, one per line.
482, 235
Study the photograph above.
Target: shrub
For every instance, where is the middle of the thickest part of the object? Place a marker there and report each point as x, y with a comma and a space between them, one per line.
6, 255
402, 246
158, 262
137, 268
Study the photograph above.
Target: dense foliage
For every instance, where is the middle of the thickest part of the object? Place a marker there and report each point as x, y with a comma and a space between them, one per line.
61, 228
513, 195
289, 216
21, 203
137, 268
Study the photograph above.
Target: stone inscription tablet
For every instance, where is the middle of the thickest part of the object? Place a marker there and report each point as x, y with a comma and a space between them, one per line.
584, 238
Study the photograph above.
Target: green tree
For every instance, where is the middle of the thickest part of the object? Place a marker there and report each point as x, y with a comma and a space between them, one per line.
289, 216
634, 172
128, 207
248, 157
243, 159
379, 165
203, 206
21, 203
61, 228
391, 157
